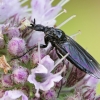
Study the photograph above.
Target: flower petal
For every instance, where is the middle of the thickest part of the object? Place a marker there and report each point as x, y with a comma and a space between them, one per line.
47, 85
38, 69
24, 97
50, 23
57, 78
35, 37
31, 79
52, 12
48, 63
16, 94
37, 8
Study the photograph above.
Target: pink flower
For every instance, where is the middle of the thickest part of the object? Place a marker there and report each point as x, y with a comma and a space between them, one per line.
86, 87
13, 32
43, 12
16, 46
7, 80
25, 58
92, 82
44, 79
20, 75
50, 95
6, 10
88, 81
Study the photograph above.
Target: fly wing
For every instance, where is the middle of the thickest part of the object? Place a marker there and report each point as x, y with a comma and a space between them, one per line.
81, 58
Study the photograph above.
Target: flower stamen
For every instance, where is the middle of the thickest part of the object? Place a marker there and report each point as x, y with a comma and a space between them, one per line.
64, 11
22, 2
51, 1
28, 10
67, 20
62, 2
65, 1
74, 36
61, 59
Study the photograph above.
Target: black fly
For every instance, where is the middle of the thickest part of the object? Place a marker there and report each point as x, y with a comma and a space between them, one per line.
65, 44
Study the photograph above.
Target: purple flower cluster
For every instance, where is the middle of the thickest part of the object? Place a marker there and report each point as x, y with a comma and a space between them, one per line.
38, 73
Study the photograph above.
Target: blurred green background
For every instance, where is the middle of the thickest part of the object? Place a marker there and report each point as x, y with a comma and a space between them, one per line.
87, 20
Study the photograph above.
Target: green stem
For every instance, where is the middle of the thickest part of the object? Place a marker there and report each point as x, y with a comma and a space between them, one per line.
13, 87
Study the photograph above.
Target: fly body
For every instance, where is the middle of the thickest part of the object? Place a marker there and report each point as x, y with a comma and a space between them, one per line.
65, 44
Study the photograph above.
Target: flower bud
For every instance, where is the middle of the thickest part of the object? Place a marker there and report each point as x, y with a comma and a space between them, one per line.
6, 80
16, 46
50, 95
13, 32
25, 58
20, 75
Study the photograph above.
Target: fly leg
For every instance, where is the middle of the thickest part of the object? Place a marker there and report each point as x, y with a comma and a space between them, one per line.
46, 40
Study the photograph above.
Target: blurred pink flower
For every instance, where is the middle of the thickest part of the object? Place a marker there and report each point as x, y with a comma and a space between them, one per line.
44, 13
13, 32
9, 9
50, 95
14, 95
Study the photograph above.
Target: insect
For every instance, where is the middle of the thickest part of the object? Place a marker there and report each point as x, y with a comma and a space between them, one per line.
65, 44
